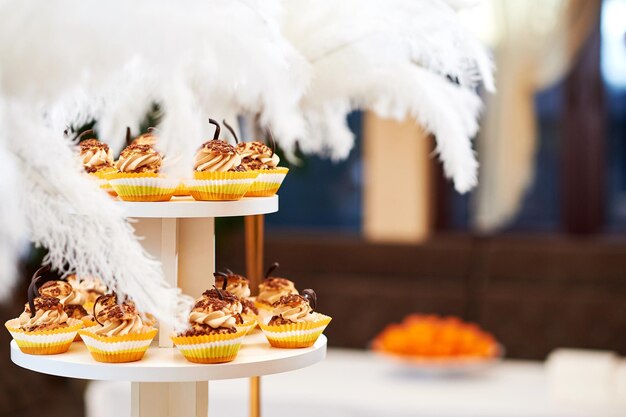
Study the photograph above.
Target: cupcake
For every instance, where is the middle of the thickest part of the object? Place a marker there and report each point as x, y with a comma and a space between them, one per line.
239, 286
121, 335
72, 301
294, 323
236, 287
90, 287
214, 334
258, 157
44, 328
271, 289
137, 177
148, 138
218, 174
97, 161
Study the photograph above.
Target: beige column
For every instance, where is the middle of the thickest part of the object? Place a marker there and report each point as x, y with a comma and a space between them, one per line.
398, 203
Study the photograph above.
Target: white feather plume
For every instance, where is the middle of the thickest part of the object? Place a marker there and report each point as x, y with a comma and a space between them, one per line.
398, 58
82, 228
301, 65
12, 230
197, 58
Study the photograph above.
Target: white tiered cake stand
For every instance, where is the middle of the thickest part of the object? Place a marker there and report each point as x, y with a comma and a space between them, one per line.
180, 233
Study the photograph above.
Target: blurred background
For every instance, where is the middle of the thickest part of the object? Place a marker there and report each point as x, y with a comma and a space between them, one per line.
536, 255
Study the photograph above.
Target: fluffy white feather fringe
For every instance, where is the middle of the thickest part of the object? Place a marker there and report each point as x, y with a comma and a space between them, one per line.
398, 58
198, 58
12, 230
81, 227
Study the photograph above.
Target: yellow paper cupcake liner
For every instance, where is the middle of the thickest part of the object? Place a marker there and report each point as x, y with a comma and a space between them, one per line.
219, 189
117, 349
87, 322
181, 190
248, 324
213, 348
44, 342
295, 335
228, 175
144, 188
117, 175
267, 183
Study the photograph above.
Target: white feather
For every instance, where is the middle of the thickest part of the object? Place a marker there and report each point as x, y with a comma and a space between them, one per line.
12, 236
393, 57
82, 228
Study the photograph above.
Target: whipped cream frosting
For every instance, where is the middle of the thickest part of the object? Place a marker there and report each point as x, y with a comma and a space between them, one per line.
272, 289
257, 155
294, 308
63, 291
49, 313
237, 285
95, 155
139, 158
89, 287
216, 156
216, 313
119, 320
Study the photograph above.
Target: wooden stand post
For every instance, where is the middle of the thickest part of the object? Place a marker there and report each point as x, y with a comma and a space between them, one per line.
254, 226
186, 249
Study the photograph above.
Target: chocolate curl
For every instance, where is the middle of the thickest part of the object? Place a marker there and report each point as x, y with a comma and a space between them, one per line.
68, 130
129, 139
216, 135
311, 297
231, 130
95, 304
219, 293
152, 129
224, 276
33, 291
90, 131
271, 269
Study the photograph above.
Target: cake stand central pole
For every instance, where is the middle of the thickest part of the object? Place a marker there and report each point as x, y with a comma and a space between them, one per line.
254, 226
186, 249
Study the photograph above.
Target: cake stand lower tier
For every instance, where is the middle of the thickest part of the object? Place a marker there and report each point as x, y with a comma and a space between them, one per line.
165, 384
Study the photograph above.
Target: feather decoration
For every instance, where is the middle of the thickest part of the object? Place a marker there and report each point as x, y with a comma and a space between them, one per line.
196, 58
62, 67
398, 58
12, 222
80, 225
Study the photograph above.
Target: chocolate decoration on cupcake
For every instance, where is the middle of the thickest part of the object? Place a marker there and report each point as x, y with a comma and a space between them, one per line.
231, 130
271, 269
33, 291
310, 295
218, 129
216, 155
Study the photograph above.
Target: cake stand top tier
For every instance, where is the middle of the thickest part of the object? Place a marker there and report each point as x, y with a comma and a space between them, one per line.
187, 207
256, 358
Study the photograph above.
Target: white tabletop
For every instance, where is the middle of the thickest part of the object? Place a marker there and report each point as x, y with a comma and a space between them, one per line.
353, 383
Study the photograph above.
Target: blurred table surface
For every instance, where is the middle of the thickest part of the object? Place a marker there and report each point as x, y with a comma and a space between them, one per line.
351, 383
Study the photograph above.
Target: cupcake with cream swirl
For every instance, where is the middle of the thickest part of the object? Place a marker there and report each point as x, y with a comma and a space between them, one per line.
215, 329
43, 328
218, 174
95, 156
121, 334
271, 289
72, 301
97, 160
138, 178
239, 286
294, 322
258, 157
